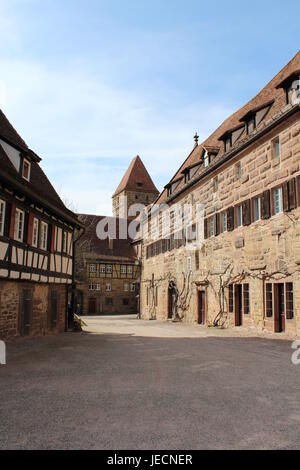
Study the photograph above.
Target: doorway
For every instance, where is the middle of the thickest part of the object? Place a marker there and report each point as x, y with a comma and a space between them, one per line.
201, 307
92, 307
238, 310
171, 301
25, 312
279, 308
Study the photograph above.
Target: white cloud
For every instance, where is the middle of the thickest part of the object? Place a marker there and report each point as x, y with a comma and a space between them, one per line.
72, 118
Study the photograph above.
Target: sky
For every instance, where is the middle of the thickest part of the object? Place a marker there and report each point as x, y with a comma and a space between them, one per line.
89, 84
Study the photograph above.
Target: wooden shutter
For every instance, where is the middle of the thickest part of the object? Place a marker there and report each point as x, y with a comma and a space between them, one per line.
29, 229
26, 222
7, 219
205, 229
266, 205
292, 194
285, 197
217, 224
246, 208
49, 237
230, 219
53, 238
12, 220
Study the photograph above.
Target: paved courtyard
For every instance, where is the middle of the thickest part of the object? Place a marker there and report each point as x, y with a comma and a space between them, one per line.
130, 384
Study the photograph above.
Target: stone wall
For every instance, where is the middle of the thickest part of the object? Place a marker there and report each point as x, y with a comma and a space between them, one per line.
40, 324
131, 197
246, 254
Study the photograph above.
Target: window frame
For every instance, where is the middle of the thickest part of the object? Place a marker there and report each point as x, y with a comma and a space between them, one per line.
239, 212
44, 227
17, 225
257, 198
123, 269
35, 232
108, 269
274, 190
26, 162
108, 287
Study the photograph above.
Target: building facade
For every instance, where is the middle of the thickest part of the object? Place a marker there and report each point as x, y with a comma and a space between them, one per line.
108, 267
243, 268
36, 243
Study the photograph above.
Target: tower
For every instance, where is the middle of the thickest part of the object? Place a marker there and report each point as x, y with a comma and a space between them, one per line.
136, 187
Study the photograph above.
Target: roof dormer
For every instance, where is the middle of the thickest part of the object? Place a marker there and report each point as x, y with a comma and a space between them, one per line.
291, 85
254, 117
231, 136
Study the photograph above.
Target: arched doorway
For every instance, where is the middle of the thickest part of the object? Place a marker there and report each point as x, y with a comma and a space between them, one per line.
172, 300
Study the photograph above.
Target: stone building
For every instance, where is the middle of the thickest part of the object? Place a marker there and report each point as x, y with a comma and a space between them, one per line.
107, 271
36, 243
244, 266
136, 187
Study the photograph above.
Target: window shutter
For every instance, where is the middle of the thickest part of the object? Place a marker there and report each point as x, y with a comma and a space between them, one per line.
230, 219
30, 228
12, 220
53, 238
205, 229
265, 205
7, 218
26, 224
49, 237
292, 194
285, 197
217, 224
246, 212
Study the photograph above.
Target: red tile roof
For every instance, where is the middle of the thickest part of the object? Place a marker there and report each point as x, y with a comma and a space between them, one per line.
268, 95
136, 178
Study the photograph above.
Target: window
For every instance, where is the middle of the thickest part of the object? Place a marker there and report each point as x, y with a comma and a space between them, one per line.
126, 287
95, 287
211, 226
230, 298
123, 269
2, 216
293, 92
256, 209
246, 299
19, 225
227, 143
91, 287
206, 160
108, 287
189, 264
276, 147
35, 232
277, 200
215, 184
109, 268
102, 268
92, 268
224, 222
98, 287
26, 169
238, 170
269, 300
64, 242
44, 235
132, 287
239, 216
129, 270
251, 125
108, 301
289, 295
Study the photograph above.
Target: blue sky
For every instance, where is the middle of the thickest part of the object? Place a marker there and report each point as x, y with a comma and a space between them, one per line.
90, 84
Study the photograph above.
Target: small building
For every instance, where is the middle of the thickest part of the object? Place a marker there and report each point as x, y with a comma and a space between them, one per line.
36, 243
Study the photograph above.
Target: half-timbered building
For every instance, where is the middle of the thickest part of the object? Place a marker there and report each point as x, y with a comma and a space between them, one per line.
36, 243
243, 269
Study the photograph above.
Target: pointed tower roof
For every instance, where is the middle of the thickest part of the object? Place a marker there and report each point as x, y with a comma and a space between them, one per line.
136, 178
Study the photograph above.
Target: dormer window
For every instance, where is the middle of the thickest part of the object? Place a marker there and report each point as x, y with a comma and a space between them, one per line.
139, 184
206, 160
171, 187
227, 143
251, 125
291, 85
26, 169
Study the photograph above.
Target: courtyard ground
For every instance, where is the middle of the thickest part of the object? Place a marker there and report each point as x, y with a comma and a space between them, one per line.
129, 384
